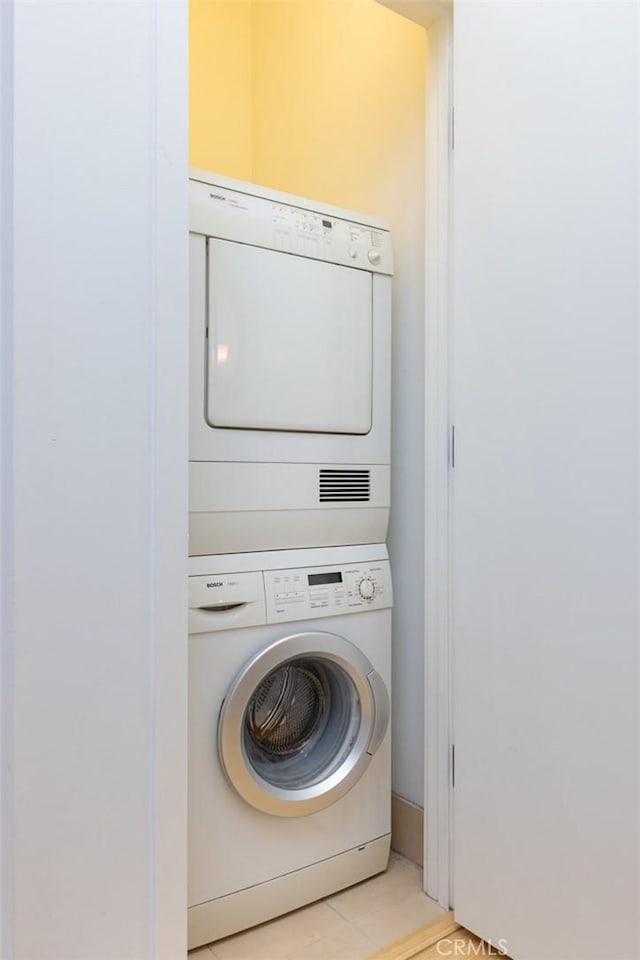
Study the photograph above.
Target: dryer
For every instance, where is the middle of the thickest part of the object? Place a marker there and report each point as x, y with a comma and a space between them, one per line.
289, 741
290, 338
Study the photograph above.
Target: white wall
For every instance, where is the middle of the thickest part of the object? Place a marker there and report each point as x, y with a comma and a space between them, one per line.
94, 477
546, 480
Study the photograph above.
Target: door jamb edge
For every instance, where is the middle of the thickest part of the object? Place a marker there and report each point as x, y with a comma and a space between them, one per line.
438, 837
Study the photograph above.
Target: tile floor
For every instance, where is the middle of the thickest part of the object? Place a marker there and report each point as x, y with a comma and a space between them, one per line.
350, 925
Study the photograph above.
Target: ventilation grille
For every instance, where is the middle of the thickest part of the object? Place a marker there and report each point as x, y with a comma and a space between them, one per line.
344, 486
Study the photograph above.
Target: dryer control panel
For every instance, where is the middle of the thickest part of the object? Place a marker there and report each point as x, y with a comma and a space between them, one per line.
302, 594
219, 211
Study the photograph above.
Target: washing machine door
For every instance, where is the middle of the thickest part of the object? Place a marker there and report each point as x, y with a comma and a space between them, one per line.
300, 723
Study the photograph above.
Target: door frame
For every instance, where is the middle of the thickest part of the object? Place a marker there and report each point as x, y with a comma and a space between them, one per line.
438, 692
436, 16
7, 587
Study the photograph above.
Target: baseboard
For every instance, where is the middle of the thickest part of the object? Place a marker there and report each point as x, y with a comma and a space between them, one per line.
407, 829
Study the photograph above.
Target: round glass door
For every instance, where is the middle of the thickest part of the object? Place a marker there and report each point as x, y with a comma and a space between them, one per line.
301, 722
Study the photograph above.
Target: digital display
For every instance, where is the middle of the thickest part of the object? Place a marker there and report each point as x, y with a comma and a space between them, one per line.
317, 578
327, 224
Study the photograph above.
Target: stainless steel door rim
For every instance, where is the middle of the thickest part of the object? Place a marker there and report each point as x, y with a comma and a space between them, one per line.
335, 753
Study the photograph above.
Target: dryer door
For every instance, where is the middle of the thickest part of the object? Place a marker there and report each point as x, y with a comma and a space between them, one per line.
301, 722
290, 342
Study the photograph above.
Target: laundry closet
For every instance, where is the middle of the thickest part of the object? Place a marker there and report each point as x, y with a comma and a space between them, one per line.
323, 101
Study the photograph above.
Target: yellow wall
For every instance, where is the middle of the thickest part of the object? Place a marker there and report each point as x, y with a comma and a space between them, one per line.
220, 86
338, 100
323, 98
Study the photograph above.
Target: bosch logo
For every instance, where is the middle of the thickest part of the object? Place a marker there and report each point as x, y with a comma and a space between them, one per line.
215, 583
217, 196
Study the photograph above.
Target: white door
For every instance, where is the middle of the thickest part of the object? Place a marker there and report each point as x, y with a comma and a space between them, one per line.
290, 342
546, 485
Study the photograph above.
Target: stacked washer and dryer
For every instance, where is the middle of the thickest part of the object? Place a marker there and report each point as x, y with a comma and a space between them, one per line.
290, 590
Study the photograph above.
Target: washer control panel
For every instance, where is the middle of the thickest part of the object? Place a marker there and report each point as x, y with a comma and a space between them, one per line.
306, 593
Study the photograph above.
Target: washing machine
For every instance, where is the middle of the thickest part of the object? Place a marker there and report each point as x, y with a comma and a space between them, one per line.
289, 739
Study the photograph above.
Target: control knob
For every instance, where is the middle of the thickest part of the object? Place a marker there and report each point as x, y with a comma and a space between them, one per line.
374, 256
367, 589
